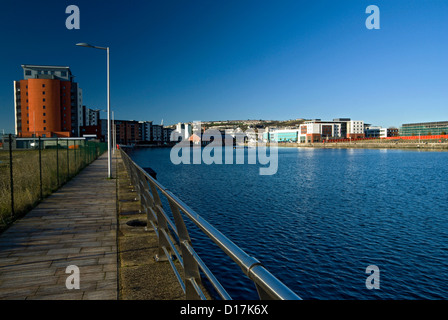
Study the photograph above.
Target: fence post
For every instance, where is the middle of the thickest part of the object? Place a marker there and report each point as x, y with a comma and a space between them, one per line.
11, 176
74, 151
57, 160
68, 163
40, 169
84, 156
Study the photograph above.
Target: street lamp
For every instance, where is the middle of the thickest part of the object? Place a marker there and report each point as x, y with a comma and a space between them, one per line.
108, 104
114, 144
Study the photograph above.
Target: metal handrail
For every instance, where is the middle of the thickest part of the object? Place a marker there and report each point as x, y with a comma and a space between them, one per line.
148, 188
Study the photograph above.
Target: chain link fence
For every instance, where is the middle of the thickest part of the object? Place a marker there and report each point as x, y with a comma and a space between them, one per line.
31, 169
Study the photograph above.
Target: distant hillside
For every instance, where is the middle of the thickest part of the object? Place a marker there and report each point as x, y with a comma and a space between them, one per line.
244, 124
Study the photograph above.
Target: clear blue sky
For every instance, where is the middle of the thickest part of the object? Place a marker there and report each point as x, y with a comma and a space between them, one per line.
219, 60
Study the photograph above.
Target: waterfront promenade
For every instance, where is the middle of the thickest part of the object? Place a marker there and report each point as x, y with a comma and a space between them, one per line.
76, 225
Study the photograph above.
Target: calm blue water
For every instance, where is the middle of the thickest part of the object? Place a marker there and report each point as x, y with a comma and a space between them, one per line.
323, 218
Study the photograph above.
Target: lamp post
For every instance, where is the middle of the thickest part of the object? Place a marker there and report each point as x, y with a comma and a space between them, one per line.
108, 105
114, 145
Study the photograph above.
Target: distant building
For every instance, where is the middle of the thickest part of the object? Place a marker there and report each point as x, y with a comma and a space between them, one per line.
343, 123
90, 124
284, 135
355, 129
90, 117
157, 133
183, 131
392, 132
146, 130
424, 129
47, 102
167, 134
93, 130
375, 132
317, 130
127, 131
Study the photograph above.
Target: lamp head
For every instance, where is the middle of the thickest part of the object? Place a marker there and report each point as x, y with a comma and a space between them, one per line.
83, 44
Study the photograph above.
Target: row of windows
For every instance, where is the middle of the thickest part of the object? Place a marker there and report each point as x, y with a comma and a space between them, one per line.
50, 72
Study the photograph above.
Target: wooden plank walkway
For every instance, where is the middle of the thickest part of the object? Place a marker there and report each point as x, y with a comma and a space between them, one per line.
77, 225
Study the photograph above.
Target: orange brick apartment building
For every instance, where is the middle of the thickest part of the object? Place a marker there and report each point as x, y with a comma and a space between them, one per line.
47, 103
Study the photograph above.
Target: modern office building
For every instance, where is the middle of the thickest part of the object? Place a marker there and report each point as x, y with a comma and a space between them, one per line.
284, 135
375, 132
343, 123
355, 129
424, 129
47, 102
392, 132
317, 130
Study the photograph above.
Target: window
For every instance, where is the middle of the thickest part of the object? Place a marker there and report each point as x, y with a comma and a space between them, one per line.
43, 85
43, 107
43, 99
43, 92
45, 128
45, 121
44, 114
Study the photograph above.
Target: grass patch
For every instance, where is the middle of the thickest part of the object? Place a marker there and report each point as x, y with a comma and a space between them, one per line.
37, 176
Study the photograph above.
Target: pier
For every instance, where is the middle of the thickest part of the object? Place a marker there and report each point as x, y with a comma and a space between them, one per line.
77, 225
115, 240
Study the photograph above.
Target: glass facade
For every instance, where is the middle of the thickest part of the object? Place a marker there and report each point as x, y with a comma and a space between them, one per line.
284, 136
424, 129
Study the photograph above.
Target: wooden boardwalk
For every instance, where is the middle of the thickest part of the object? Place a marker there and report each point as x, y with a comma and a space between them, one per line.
77, 225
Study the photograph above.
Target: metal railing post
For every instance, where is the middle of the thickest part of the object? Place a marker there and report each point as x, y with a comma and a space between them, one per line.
192, 277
